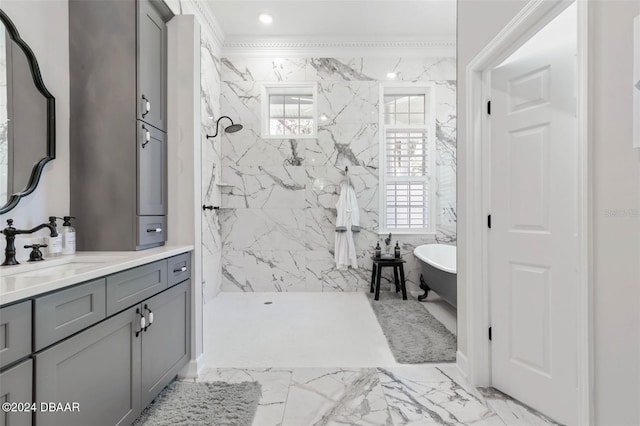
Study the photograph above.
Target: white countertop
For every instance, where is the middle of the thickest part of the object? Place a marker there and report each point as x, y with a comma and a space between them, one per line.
30, 279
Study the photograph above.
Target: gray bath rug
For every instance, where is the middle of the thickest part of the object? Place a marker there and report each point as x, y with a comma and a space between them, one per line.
211, 404
414, 335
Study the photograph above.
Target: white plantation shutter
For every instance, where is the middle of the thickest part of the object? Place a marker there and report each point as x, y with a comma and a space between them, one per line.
408, 162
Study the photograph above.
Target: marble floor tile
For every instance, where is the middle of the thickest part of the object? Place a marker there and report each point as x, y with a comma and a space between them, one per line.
511, 411
425, 395
275, 388
336, 397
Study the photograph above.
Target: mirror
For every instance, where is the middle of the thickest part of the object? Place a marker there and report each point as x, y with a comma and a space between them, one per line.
27, 118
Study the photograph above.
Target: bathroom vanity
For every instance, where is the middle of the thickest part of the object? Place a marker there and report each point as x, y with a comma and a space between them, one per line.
105, 330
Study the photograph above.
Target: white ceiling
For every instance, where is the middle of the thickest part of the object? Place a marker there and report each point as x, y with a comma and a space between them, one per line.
380, 20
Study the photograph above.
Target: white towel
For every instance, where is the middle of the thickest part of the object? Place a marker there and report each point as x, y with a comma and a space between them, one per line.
347, 223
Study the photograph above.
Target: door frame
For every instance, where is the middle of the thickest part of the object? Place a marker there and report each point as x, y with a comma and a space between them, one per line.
477, 363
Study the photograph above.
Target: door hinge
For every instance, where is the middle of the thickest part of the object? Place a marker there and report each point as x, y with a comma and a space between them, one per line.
489, 333
489, 107
489, 221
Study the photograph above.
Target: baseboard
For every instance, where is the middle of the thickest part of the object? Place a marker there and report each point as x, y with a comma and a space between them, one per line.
193, 369
462, 364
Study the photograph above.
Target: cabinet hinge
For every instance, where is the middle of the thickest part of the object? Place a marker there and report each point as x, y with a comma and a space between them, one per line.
489, 107
489, 221
489, 333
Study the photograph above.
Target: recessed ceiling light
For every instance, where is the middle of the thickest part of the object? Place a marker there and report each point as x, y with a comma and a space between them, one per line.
391, 75
265, 18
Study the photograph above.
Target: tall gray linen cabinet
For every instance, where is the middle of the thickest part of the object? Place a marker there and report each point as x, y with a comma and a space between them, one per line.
118, 145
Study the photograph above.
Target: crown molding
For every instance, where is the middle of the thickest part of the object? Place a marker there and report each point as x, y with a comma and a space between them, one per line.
240, 46
208, 22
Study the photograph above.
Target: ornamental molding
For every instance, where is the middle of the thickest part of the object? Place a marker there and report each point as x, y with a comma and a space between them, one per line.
305, 47
208, 21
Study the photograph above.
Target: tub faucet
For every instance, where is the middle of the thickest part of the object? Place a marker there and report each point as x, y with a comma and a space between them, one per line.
10, 234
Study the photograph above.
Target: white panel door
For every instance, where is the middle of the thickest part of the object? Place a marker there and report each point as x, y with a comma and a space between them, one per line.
532, 242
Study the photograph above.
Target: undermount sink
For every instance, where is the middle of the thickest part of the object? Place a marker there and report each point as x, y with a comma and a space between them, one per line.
67, 269
56, 267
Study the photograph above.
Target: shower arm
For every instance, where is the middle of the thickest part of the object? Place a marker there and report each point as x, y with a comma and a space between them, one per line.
218, 126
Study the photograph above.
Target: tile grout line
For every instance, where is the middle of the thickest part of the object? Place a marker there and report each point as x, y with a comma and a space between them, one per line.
385, 396
286, 401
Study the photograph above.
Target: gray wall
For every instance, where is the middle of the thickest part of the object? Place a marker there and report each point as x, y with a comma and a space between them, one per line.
616, 221
616, 193
44, 25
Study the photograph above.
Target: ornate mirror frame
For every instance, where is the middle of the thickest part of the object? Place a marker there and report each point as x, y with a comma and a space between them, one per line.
38, 167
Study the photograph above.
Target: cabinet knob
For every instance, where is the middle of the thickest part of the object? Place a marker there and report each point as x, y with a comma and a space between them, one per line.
146, 105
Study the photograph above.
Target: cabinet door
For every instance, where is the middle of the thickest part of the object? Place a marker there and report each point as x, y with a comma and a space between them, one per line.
99, 369
152, 171
15, 386
166, 342
152, 65
15, 332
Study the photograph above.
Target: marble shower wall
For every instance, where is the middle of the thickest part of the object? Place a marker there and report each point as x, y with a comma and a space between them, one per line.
278, 220
211, 160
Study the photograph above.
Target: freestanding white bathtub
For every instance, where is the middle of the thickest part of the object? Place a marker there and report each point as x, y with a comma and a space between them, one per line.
438, 265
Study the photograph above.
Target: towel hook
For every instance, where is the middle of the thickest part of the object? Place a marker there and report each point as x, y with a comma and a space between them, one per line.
347, 178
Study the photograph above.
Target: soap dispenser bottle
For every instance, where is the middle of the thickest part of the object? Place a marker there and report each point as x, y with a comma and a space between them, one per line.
55, 243
68, 236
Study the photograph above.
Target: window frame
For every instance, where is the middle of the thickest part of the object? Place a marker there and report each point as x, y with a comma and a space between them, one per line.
407, 88
287, 88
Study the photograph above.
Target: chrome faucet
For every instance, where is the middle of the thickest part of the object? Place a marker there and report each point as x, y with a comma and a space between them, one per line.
10, 234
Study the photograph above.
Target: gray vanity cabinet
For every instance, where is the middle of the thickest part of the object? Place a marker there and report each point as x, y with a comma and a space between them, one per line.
165, 343
152, 65
116, 367
118, 96
16, 386
96, 368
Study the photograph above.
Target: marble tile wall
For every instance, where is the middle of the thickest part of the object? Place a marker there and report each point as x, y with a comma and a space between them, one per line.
278, 220
211, 160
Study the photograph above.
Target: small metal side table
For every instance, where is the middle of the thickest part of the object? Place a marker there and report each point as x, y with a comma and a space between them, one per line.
398, 268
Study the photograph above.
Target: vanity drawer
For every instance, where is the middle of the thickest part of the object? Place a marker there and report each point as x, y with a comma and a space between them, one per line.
127, 288
179, 268
15, 332
152, 230
66, 312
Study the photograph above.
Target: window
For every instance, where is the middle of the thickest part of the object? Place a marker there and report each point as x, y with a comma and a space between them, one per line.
407, 159
289, 110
